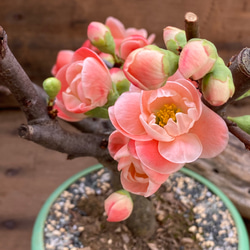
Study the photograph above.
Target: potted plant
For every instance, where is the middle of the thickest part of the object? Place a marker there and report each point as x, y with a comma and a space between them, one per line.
144, 112
196, 234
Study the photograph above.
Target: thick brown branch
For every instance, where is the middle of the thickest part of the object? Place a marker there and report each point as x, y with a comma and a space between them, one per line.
94, 125
16, 80
191, 26
240, 68
52, 136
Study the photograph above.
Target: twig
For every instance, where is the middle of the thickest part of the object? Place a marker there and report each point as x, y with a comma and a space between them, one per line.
239, 133
191, 26
52, 136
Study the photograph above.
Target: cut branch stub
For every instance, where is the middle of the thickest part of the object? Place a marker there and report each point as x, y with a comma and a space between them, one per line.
191, 26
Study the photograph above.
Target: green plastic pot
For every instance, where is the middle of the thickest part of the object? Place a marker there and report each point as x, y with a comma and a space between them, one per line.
37, 241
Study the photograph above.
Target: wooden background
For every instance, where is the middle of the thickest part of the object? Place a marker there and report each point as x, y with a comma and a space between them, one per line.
36, 31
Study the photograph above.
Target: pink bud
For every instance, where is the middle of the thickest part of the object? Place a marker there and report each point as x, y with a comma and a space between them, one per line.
100, 36
149, 67
174, 39
218, 86
118, 206
197, 58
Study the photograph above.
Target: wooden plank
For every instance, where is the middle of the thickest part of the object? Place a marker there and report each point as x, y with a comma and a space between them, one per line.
28, 174
37, 30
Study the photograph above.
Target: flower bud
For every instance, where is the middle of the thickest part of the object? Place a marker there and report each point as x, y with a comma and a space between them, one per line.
108, 59
118, 78
218, 86
243, 122
52, 87
197, 58
149, 67
175, 39
118, 206
101, 37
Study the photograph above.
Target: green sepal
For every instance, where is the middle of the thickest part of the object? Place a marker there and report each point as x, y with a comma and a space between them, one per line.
124, 192
98, 112
170, 62
122, 86
112, 96
219, 72
106, 45
243, 122
177, 45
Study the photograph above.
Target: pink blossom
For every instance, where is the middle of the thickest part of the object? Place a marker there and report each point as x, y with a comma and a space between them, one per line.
86, 83
170, 126
131, 43
119, 32
197, 58
136, 177
129, 39
63, 58
149, 67
118, 206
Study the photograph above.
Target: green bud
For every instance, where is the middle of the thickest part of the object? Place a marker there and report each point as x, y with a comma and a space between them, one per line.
243, 122
52, 87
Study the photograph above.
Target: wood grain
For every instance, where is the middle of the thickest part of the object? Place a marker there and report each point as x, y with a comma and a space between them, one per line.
28, 174
36, 31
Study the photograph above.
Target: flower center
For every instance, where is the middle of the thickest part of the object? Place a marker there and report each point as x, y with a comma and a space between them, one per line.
165, 113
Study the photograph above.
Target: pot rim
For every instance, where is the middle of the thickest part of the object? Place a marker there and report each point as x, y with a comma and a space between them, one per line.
37, 240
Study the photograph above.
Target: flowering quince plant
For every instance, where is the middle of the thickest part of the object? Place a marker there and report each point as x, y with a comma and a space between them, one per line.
152, 96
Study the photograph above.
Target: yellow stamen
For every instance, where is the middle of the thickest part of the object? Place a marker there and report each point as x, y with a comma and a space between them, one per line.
164, 114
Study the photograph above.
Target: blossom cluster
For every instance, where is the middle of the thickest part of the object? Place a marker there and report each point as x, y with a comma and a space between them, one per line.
151, 96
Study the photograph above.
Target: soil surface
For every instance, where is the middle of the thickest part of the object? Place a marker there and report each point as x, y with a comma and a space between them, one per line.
173, 221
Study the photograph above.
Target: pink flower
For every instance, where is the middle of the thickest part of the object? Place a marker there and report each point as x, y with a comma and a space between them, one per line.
129, 39
197, 58
170, 125
136, 177
86, 83
63, 58
131, 43
118, 206
149, 67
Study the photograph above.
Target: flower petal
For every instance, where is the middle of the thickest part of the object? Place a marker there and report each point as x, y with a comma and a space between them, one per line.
149, 155
212, 132
185, 148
